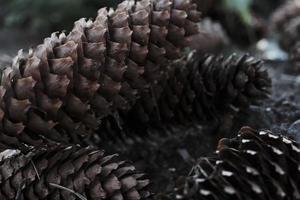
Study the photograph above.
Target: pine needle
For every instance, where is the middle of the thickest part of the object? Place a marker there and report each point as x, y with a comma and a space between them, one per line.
81, 197
36, 171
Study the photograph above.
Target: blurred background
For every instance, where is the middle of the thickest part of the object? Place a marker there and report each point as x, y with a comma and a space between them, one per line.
45, 16
24, 23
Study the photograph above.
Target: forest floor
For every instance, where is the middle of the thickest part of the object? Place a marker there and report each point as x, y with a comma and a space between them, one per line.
177, 151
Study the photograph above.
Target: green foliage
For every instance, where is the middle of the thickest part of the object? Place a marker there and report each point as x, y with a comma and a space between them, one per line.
52, 15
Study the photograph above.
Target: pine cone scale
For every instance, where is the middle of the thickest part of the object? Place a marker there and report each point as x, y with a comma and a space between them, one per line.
198, 84
253, 165
74, 81
80, 170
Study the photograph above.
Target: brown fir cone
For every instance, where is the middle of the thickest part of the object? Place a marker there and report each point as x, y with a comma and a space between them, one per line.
67, 86
201, 87
254, 165
290, 34
286, 21
282, 15
68, 174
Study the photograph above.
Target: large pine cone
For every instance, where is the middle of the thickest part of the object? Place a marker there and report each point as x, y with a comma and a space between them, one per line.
254, 165
68, 85
70, 173
202, 88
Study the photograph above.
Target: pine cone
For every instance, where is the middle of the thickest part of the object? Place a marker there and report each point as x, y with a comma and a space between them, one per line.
286, 21
291, 34
67, 86
284, 14
70, 173
202, 87
254, 165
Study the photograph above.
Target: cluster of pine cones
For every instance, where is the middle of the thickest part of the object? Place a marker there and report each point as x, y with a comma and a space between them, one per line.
116, 77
